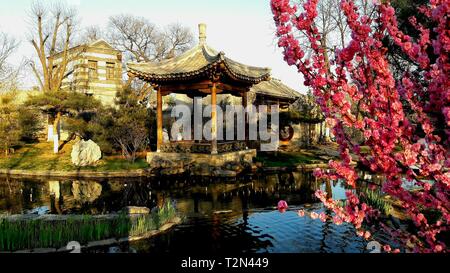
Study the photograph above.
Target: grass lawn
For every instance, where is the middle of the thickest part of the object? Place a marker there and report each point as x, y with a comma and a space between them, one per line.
40, 157
286, 159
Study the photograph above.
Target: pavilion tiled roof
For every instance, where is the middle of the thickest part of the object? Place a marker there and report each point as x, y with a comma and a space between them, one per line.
194, 63
275, 88
201, 60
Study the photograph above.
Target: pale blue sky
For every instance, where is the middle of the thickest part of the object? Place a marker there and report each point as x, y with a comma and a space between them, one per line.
243, 29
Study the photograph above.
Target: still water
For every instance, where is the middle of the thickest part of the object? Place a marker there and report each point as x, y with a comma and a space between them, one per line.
220, 216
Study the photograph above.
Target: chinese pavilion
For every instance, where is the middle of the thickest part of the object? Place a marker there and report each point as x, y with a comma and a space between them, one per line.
202, 71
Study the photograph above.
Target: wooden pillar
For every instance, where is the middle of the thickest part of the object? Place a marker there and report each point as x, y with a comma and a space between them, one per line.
213, 119
246, 127
159, 120
321, 133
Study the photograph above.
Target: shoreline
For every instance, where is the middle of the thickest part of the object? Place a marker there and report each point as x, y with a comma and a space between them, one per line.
77, 174
135, 173
36, 161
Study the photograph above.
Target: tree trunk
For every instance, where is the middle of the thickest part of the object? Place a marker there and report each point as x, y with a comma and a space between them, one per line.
56, 133
50, 129
309, 135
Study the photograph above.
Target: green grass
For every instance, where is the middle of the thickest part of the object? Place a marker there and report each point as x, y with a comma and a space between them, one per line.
286, 159
40, 157
375, 199
116, 164
28, 234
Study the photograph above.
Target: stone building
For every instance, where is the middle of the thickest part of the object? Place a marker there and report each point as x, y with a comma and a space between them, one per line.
94, 69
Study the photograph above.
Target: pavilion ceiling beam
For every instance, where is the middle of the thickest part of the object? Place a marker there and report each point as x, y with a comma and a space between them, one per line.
203, 88
183, 87
205, 91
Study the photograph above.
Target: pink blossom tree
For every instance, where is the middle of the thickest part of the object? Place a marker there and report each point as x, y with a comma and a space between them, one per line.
405, 121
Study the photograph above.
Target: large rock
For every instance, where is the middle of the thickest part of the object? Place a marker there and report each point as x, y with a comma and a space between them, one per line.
85, 153
202, 169
169, 167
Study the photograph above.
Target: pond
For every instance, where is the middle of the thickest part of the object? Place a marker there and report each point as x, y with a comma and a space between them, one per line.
220, 216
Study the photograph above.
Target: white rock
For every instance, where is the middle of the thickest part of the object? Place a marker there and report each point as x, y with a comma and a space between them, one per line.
86, 191
136, 210
85, 153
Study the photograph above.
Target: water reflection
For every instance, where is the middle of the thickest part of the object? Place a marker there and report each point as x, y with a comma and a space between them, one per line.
220, 216
193, 196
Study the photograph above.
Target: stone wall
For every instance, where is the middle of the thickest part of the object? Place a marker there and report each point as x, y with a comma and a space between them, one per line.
210, 159
223, 164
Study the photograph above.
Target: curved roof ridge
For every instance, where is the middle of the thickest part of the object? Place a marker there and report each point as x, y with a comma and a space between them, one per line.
209, 49
249, 66
276, 88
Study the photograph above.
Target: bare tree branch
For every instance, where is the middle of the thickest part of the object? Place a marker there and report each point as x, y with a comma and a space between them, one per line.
8, 74
52, 31
179, 39
92, 34
143, 41
36, 74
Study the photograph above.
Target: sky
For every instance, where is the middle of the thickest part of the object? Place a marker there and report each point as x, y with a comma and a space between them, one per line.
243, 29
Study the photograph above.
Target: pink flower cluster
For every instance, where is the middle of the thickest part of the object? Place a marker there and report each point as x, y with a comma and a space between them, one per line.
401, 144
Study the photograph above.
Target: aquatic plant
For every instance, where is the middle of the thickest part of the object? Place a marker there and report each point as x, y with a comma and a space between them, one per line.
375, 199
40, 233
